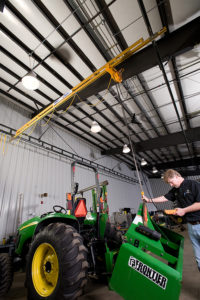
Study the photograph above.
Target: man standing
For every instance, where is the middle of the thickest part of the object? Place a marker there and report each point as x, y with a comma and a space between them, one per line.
187, 194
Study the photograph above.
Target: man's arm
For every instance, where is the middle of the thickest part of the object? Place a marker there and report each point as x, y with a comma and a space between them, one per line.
157, 199
182, 211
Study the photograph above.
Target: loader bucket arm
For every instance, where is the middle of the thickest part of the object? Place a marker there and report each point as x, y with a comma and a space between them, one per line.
149, 263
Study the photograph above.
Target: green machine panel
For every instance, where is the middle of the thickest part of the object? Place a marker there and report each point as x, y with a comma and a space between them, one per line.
149, 263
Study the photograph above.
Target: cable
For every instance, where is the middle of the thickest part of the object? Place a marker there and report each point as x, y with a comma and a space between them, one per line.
130, 141
160, 63
63, 112
63, 140
55, 29
54, 122
55, 111
134, 21
65, 41
148, 192
100, 100
103, 22
33, 128
99, 31
135, 162
51, 115
160, 127
28, 134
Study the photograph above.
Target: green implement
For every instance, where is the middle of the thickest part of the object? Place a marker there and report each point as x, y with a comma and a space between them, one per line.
149, 263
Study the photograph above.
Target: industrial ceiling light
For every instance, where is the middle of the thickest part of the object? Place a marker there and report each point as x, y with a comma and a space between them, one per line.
95, 127
126, 149
30, 81
143, 162
154, 170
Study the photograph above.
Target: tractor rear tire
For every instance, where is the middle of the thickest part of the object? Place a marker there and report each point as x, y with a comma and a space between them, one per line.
6, 273
57, 264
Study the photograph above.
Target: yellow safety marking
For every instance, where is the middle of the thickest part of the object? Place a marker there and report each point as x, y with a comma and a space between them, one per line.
1, 139
31, 224
4, 143
93, 77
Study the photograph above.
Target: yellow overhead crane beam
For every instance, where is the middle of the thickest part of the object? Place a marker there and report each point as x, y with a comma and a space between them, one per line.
108, 67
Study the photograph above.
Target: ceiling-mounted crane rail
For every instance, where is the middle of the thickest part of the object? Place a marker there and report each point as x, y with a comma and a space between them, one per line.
89, 80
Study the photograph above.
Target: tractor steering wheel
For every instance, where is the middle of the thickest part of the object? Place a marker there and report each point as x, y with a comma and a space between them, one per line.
59, 209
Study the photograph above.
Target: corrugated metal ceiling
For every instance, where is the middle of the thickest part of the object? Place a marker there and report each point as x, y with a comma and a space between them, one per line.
65, 41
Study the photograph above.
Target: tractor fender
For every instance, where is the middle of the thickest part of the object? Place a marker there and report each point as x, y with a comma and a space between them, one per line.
66, 220
30, 228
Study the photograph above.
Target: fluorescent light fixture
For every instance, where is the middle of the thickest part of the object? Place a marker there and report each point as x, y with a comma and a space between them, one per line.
126, 149
143, 162
95, 127
154, 170
30, 81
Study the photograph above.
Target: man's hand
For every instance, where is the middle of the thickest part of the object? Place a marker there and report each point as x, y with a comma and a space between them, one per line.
146, 199
180, 212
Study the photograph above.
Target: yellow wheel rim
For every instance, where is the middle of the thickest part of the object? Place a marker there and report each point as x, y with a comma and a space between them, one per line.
45, 269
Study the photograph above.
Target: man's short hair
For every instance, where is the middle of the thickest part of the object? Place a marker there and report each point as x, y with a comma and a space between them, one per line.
170, 174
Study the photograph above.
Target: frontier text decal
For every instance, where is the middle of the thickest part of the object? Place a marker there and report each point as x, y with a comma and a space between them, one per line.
148, 272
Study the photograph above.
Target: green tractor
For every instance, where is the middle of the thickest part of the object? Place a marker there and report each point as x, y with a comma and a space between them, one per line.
63, 248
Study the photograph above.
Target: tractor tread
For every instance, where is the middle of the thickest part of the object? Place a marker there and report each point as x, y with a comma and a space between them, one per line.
6, 273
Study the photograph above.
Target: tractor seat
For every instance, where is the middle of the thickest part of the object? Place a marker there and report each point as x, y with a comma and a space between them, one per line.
80, 209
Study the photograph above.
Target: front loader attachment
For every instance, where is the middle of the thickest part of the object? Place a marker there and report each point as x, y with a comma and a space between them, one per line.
149, 263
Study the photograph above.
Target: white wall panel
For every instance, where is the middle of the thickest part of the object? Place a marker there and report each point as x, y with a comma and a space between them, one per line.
26, 172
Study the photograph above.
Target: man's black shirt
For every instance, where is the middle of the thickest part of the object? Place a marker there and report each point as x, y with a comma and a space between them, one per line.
187, 194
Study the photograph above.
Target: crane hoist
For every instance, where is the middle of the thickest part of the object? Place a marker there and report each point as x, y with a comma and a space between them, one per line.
108, 67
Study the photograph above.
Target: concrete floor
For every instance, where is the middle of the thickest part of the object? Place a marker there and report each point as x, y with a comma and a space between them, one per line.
96, 291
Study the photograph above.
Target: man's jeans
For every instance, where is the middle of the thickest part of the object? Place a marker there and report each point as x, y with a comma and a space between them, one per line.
194, 234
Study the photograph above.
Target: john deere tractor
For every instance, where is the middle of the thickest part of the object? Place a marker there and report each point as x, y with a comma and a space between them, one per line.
64, 247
